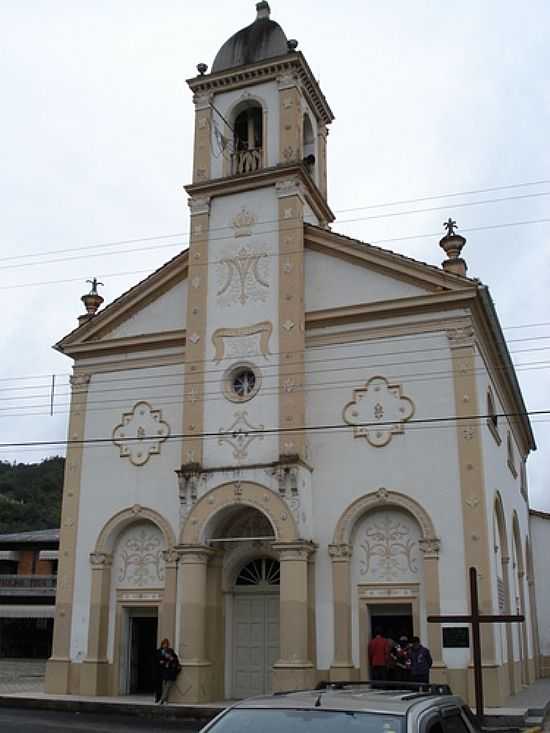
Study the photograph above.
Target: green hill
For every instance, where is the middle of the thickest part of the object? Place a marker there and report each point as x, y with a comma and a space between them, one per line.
30, 495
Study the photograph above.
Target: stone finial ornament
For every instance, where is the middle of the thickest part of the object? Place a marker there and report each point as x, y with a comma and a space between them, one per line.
263, 9
452, 243
92, 301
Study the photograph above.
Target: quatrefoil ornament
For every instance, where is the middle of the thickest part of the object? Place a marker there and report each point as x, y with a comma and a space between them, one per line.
141, 433
378, 411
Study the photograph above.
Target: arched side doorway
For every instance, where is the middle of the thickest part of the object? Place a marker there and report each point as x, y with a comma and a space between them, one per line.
132, 601
418, 546
519, 582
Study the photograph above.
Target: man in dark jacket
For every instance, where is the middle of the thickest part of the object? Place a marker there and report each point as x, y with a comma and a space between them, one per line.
421, 661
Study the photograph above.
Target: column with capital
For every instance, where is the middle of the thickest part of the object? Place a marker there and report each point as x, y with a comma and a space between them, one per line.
430, 546
167, 611
342, 665
195, 680
294, 669
94, 677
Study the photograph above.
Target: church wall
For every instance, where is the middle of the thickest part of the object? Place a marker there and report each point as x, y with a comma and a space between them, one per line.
325, 275
540, 537
421, 463
242, 322
166, 313
499, 478
110, 482
268, 95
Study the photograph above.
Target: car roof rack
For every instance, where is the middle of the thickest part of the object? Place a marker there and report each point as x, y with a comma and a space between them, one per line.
418, 688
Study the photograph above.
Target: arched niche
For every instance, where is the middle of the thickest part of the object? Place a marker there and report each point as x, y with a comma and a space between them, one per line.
384, 499
213, 509
119, 522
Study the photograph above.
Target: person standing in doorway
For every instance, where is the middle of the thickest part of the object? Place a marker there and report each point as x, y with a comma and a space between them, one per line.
402, 660
168, 669
421, 661
378, 656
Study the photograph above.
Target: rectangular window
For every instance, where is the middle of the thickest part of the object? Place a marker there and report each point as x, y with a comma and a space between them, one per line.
511, 455
492, 416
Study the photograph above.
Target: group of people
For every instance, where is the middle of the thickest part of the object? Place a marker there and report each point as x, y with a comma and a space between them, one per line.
398, 661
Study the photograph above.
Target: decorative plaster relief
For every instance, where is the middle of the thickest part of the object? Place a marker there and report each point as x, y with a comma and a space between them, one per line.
140, 434
378, 411
238, 435
389, 547
241, 342
243, 223
243, 277
139, 557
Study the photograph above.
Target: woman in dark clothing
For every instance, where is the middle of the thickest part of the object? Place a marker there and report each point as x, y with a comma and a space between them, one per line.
168, 666
401, 657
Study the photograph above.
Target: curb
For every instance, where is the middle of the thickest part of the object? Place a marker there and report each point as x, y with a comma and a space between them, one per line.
191, 713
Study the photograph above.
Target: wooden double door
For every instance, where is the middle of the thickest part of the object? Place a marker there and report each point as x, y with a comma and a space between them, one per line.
255, 642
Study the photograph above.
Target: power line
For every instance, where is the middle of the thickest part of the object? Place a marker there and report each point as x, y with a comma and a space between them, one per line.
274, 221
401, 202
279, 431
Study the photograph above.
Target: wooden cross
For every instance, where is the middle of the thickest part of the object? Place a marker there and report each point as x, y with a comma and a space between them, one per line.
476, 619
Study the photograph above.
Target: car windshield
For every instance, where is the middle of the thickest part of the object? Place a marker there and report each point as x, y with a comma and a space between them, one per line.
246, 720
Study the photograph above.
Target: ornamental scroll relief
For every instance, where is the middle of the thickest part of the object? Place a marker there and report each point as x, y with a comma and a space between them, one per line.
242, 342
389, 547
141, 433
139, 560
379, 411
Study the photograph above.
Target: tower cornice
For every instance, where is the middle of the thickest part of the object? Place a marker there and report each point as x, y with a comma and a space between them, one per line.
242, 76
267, 177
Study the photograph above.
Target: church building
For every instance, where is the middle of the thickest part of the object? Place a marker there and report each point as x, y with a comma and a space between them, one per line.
284, 437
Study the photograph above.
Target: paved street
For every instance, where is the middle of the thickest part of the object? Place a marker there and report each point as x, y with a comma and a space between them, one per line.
38, 721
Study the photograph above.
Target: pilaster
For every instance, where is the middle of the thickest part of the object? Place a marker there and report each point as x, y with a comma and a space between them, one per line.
294, 668
195, 349
167, 611
342, 665
203, 132
94, 679
195, 681
58, 667
474, 516
291, 320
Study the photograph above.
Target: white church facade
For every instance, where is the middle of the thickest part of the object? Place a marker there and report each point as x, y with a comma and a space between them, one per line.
272, 445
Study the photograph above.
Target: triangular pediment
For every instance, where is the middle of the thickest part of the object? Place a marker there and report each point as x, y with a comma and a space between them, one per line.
154, 307
340, 271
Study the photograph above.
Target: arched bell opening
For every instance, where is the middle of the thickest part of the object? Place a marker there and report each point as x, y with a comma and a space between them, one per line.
248, 137
309, 147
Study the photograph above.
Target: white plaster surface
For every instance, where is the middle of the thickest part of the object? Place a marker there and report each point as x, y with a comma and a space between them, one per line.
332, 282
166, 313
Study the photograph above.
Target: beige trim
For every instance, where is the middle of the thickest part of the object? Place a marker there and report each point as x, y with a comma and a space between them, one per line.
378, 500
290, 123
505, 569
146, 362
291, 320
267, 177
202, 149
476, 534
129, 344
294, 665
263, 330
362, 312
118, 523
93, 678
195, 354
422, 275
342, 666
148, 290
58, 669
289, 65
243, 493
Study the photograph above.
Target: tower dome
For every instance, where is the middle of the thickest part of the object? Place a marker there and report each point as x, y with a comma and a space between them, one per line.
263, 39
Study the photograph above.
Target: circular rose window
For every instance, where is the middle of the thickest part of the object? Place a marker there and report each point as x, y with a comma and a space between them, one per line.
242, 383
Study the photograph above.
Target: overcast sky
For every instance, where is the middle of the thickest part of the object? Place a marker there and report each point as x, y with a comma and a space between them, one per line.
96, 137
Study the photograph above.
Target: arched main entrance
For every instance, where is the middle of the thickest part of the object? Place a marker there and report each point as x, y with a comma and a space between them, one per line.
255, 627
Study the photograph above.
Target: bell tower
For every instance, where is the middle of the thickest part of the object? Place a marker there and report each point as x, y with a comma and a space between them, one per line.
259, 173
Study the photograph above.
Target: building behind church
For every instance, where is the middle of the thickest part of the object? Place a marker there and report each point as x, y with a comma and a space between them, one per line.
272, 448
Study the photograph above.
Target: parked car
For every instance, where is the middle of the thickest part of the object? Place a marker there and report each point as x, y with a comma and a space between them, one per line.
351, 708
